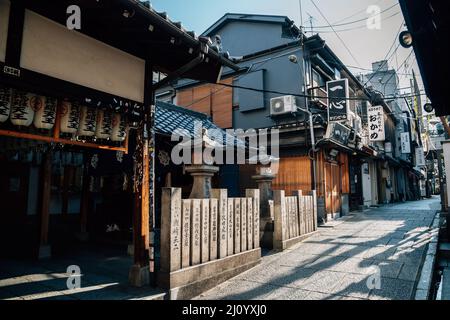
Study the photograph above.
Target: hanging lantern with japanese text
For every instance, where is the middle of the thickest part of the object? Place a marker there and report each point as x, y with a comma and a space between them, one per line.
5, 103
119, 128
45, 115
23, 106
88, 122
104, 124
70, 117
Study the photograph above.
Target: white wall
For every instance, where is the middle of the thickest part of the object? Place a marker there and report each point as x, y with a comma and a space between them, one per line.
54, 50
4, 20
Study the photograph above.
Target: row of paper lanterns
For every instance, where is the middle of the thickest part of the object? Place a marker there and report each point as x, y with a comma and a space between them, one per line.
24, 109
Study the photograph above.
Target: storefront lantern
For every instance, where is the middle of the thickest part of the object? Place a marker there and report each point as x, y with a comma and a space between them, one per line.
70, 117
88, 122
119, 128
104, 125
23, 106
5, 103
45, 115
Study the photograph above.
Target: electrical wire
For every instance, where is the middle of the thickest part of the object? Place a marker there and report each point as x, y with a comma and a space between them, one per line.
349, 29
337, 35
387, 54
352, 22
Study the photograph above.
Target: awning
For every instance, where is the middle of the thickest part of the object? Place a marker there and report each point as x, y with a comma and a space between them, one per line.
428, 22
140, 31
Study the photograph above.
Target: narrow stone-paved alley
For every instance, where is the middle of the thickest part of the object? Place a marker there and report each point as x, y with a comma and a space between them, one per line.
337, 262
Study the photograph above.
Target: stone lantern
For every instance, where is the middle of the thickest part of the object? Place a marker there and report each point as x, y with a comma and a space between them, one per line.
265, 174
202, 168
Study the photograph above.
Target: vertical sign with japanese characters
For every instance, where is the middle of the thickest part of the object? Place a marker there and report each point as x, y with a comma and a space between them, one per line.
375, 116
405, 142
338, 95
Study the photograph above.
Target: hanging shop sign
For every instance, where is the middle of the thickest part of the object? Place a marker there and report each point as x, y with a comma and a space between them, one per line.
338, 133
338, 104
88, 122
119, 128
104, 125
405, 142
45, 114
5, 103
375, 115
420, 158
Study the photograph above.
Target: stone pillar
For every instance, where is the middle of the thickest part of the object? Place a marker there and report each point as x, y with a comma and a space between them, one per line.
202, 175
264, 181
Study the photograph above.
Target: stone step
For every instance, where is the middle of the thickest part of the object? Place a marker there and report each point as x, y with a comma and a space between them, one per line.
446, 284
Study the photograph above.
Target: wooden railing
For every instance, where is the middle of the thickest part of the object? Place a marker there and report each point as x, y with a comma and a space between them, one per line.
197, 231
294, 217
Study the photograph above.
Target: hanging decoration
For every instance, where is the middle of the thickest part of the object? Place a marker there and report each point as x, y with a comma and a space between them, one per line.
88, 122
5, 103
22, 108
119, 128
70, 117
119, 156
94, 161
104, 125
45, 114
164, 158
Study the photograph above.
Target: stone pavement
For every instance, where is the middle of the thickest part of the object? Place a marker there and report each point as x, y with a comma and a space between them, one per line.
104, 277
387, 243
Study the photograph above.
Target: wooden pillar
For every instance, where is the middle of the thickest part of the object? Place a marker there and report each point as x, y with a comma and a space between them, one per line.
143, 266
68, 174
140, 271
85, 200
44, 250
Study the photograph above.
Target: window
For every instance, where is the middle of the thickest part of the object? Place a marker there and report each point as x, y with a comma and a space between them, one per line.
318, 80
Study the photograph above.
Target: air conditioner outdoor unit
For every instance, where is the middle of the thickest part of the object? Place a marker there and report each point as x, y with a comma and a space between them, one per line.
283, 105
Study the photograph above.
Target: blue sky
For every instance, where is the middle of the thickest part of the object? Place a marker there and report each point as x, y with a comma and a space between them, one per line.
365, 45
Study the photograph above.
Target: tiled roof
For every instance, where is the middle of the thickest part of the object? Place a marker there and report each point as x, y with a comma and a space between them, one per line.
170, 117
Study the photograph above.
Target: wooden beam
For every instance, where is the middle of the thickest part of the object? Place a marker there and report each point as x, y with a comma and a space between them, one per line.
15, 134
15, 33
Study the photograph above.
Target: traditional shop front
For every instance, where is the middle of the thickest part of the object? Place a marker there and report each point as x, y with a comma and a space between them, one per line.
76, 122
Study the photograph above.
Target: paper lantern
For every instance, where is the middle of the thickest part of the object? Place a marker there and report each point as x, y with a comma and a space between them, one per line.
22, 107
104, 124
5, 103
119, 128
88, 122
45, 116
70, 117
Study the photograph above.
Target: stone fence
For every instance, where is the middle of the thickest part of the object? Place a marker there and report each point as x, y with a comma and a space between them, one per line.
206, 241
295, 218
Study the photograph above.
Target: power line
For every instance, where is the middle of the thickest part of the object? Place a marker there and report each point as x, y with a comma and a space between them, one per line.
355, 14
352, 22
387, 54
354, 28
342, 41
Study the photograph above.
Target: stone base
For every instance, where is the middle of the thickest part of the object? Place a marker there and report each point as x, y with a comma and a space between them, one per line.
187, 283
139, 276
286, 244
130, 250
82, 236
44, 252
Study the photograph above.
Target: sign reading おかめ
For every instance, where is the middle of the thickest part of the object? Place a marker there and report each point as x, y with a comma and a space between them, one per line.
375, 116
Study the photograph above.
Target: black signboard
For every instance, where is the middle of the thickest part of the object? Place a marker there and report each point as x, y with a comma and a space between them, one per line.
338, 94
